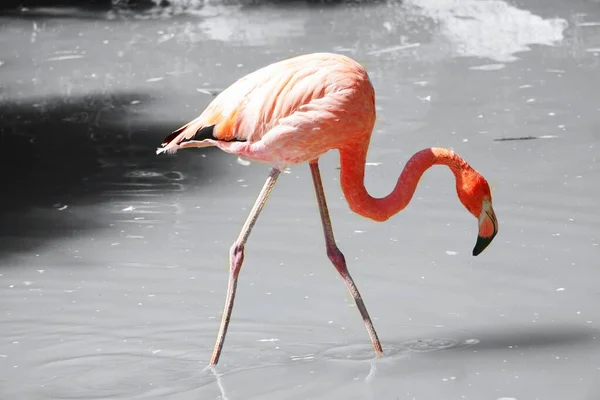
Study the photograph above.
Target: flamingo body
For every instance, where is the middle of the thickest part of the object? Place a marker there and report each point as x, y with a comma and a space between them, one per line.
289, 112
294, 111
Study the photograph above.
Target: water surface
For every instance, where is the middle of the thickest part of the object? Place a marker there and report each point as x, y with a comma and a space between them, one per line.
114, 260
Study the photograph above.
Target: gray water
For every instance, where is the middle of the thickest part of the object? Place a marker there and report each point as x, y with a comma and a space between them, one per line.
114, 261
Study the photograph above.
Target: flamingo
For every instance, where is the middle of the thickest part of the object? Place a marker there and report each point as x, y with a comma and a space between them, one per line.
295, 110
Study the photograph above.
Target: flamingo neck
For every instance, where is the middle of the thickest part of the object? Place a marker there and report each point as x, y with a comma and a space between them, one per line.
380, 209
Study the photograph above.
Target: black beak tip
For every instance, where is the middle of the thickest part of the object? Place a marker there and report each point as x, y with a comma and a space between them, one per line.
482, 243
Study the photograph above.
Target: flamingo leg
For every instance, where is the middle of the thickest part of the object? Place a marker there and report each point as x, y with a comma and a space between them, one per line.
236, 258
338, 259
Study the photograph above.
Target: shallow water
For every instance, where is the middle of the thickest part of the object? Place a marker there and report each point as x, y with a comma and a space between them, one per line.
114, 261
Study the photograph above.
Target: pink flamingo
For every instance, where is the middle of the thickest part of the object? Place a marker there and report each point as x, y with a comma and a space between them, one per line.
295, 110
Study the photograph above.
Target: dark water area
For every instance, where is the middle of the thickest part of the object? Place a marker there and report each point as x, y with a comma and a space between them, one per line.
114, 261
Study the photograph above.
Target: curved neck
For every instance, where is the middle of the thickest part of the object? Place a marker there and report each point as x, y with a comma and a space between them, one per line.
380, 209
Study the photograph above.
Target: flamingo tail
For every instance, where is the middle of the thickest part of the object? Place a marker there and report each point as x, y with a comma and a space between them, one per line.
192, 134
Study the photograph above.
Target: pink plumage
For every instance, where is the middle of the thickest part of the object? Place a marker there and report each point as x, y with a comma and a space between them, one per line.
289, 112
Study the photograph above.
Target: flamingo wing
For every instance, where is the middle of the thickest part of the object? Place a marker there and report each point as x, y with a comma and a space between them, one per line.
297, 91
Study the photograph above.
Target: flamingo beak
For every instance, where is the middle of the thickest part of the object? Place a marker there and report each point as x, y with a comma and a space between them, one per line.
488, 228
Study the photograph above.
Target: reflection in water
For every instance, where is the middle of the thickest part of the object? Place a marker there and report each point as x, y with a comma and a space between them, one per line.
490, 29
254, 27
230, 22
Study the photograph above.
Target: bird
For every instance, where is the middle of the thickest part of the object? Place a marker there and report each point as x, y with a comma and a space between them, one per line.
293, 111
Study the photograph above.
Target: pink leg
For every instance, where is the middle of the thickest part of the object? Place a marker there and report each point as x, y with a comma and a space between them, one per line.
236, 258
338, 260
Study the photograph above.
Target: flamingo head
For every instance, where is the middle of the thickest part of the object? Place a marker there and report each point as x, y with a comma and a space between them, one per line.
488, 226
474, 193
